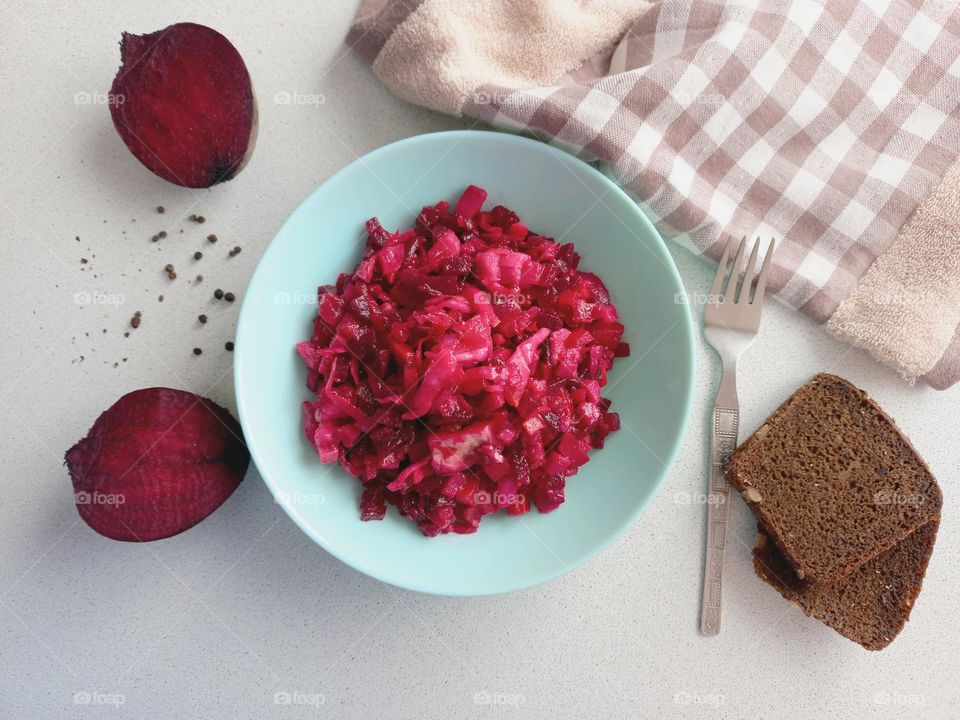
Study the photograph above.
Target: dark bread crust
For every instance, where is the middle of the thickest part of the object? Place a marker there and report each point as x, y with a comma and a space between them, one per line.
833, 481
873, 603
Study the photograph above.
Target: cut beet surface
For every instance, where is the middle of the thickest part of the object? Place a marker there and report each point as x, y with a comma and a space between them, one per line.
156, 463
184, 104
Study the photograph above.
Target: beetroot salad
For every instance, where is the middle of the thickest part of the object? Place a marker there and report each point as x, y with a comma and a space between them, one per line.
457, 370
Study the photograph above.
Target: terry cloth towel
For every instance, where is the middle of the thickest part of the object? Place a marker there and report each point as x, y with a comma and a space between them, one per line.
830, 125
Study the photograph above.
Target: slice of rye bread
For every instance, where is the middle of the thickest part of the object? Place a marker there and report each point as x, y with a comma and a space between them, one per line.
833, 481
872, 604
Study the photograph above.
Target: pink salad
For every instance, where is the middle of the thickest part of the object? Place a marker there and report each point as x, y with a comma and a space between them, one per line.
458, 369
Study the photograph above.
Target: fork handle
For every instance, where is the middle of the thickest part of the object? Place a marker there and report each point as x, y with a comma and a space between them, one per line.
726, 423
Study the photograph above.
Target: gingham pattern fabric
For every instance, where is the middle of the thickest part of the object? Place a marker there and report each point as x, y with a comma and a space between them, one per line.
821, 124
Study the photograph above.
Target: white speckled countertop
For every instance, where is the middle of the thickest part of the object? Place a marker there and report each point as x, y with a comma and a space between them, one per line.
242, 616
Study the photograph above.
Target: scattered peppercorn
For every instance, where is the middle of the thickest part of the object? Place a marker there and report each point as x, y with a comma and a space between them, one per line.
199, 278
83, 261
218, 294
161, 209
202, 318
229, 297
162, 234
171, 273
197, 255
211, 238
198, 218
197, 351
135, 320
229, 346
235, 251
154, 238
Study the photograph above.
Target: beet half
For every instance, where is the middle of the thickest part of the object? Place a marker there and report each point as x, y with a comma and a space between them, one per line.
156, 463
184, 104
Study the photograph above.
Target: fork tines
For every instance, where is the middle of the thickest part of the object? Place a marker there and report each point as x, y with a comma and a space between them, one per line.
740, 280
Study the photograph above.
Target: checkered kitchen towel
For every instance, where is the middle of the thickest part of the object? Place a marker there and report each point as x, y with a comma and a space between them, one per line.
832, 126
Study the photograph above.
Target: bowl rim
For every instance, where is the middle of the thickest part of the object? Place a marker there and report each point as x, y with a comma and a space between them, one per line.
617, 531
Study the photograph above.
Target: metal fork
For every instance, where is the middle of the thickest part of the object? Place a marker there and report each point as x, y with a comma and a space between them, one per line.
731, 322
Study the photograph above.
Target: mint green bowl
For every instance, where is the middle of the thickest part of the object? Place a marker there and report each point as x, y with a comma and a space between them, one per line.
556, 195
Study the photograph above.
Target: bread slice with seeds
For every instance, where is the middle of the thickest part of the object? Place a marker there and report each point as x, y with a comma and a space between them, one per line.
833, 481
872, 604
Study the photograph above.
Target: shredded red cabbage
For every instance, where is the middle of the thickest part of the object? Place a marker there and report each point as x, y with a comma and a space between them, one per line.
458, 369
